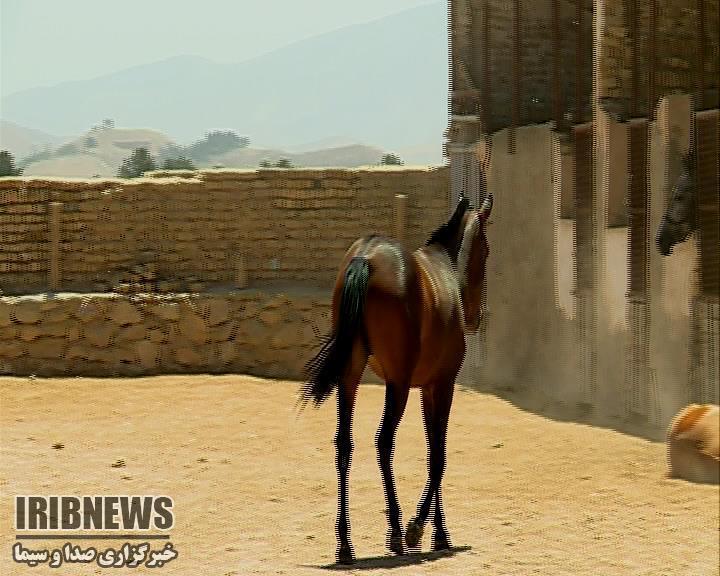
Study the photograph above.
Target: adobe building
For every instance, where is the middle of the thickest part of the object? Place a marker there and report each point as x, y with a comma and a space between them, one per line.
587, 109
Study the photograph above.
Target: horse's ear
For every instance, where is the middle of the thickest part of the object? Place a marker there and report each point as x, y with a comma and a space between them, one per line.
486, 207
459, 212
462, 205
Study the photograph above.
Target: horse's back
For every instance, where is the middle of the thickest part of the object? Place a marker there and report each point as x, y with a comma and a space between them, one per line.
391, 269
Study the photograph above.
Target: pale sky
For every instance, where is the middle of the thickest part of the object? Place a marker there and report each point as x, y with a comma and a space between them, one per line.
45, 42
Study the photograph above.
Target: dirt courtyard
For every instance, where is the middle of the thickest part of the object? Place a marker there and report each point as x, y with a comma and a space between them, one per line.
254, 485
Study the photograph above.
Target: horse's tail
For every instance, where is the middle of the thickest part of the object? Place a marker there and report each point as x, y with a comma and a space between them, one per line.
327, 368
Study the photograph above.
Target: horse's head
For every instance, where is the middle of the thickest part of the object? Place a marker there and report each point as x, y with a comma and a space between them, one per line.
472, 258
679, 219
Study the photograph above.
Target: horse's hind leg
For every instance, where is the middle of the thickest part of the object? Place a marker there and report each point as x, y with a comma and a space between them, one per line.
395, 401
436, 411
343, 441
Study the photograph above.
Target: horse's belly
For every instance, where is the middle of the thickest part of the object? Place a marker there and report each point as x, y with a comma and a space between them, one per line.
375, 366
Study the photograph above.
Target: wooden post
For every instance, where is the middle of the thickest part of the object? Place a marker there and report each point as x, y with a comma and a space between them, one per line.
486, 85
579, 63
515, 113
652, 59
400, 216
556, 89
54, 230
635, 45
701, 55
241, 280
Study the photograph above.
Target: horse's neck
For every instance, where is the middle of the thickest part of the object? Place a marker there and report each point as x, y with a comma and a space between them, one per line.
440, 279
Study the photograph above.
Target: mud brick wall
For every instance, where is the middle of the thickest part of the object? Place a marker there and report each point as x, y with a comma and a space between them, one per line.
252, 332
289, 225
24, 238
677, 48
536, 56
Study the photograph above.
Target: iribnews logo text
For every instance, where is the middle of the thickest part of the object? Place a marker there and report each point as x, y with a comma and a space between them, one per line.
94, 513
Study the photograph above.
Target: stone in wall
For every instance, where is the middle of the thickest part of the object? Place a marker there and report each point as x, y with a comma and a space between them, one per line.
266, 334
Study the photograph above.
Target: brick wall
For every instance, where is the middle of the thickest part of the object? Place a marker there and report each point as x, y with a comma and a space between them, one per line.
290, 225
677, 48
536, 60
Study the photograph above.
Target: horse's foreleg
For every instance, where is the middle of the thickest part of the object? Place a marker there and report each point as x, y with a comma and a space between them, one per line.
395, 401
436, 410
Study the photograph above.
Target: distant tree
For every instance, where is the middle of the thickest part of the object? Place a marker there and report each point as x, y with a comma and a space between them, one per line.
391, 160
108, 124
91, 142
215, 143
139, 162
171, 152
282, 163
179, 163
7, 164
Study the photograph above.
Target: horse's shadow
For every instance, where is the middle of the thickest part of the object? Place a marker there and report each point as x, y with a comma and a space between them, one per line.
375, 562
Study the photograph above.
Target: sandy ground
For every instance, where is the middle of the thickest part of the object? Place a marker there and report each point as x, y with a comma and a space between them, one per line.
255, 486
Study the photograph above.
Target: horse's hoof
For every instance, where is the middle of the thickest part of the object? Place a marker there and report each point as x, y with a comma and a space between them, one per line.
395, 543
440, 542
345, 554
414, 533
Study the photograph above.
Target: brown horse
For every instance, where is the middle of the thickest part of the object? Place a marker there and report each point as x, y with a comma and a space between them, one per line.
407, 314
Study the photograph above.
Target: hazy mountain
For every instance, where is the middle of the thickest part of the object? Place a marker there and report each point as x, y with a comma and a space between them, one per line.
22, 141
383, 82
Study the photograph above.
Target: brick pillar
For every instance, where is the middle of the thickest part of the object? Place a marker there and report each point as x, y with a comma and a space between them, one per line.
54, 237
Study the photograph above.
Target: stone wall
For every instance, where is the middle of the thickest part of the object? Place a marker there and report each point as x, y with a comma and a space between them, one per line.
246, 331
188, 231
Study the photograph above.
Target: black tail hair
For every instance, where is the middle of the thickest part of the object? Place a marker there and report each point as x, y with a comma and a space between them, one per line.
326, 369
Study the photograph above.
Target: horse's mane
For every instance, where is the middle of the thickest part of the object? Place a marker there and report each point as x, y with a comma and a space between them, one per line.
446, 234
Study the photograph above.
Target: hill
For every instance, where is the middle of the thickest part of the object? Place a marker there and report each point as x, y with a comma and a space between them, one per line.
23, 141
100, 152
96, 152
